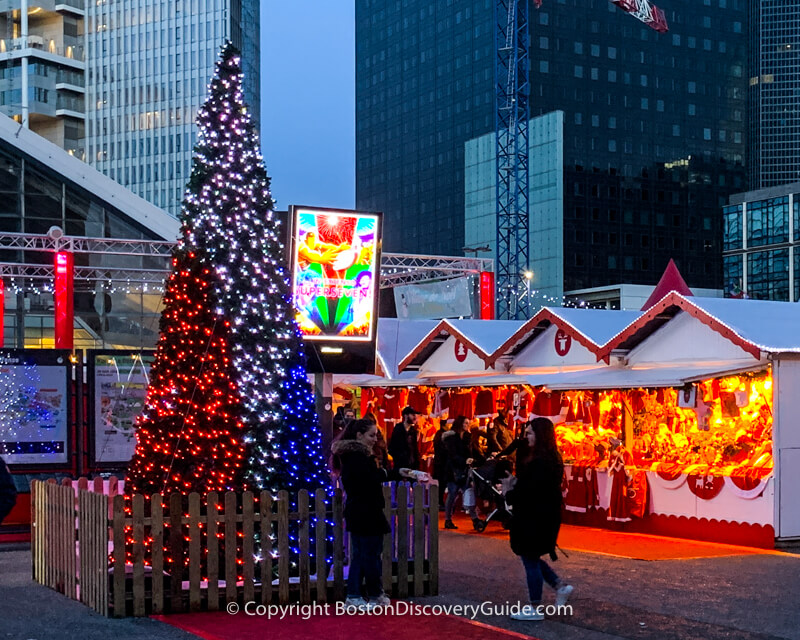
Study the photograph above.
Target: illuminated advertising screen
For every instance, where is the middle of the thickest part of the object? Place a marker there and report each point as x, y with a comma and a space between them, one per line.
335, 258
34, 407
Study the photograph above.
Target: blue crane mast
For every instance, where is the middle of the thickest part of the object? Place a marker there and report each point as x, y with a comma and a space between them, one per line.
512, 113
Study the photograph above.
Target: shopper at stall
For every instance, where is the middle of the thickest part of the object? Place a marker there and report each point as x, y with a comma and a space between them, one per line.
403, 445
439, 455
456, 445
8, 491
535, 497
498, 435
477, 442
381, 451
363, 510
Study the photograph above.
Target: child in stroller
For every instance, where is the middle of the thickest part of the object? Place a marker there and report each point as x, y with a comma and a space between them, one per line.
485, 480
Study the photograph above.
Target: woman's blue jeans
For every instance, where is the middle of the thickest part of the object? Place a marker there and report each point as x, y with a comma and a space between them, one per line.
365, 564
453, 490
537, 572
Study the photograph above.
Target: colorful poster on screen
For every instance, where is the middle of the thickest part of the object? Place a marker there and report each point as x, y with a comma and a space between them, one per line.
335, 273
120, 389
33, 410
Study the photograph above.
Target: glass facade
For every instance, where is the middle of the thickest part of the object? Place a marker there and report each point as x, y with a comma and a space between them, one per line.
732, 227
761, 232
109, 313
653, 127
768, 275
774, 82
149, 64
768, 222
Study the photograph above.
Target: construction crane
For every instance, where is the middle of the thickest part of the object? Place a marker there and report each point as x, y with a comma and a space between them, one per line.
512, 113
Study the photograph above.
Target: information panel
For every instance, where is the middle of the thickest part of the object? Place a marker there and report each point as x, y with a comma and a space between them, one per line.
119, 383
335, 273
34, 405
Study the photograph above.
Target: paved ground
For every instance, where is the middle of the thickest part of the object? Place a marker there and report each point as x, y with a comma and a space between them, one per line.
741, 597
29, 611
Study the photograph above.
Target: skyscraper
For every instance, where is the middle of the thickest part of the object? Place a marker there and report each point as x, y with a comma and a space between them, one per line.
774, 87
148, 65
651, 140
42, 69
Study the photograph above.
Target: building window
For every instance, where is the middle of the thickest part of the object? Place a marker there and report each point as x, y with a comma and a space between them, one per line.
768, 222
768, 275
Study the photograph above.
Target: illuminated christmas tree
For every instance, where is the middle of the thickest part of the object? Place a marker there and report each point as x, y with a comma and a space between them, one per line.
229, 406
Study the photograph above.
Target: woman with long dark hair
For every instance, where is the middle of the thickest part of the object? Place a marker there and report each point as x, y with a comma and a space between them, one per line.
362, 477
535, 498
456, 445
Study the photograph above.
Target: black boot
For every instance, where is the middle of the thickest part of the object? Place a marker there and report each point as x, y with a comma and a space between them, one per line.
448, 524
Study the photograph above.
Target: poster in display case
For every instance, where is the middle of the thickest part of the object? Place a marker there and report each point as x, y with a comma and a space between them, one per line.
118, 383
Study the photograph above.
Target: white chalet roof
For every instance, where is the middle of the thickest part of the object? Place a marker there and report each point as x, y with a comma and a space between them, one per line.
598, 325
771, 326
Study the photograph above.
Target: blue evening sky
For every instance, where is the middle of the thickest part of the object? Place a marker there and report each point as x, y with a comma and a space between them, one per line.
308, 101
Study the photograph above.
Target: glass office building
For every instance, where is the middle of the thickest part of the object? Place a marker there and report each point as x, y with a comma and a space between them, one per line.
42, 186
42, 65
774, 87
761, 243
148, 67
653, 127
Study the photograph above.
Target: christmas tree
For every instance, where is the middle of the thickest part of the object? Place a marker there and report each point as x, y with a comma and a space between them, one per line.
229, 406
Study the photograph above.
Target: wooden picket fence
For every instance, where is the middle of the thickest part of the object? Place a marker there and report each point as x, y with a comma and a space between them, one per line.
170, 554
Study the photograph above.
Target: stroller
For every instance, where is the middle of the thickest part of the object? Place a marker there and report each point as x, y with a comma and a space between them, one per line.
485, 480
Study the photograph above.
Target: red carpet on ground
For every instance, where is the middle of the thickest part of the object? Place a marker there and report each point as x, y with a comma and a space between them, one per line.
223, 626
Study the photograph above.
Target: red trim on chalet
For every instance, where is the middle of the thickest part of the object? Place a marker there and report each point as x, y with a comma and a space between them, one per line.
543, 315
674, 299
444, 327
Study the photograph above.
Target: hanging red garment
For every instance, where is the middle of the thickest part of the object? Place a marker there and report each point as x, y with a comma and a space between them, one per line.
637, 494
523, 413
547, 404
619, 506
461, 404
366, 398
441, 404
484, 404
582, 493
419, 399
394, 400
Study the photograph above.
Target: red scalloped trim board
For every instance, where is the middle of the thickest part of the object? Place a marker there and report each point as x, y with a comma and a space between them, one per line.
543, 315
739, 533
676, 300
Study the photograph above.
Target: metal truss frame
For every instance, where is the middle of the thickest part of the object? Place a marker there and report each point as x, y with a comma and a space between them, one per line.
396, 269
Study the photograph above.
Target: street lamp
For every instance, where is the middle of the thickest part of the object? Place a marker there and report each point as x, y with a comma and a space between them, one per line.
528, 278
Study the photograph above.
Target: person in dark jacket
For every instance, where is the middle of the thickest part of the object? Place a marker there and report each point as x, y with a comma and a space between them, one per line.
456, 445
535, 498
8, 491
439, 455
498, 435
403, 445
363, 510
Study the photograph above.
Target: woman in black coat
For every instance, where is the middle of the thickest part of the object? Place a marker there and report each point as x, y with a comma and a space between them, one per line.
535, 498
456, 446
363, 509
